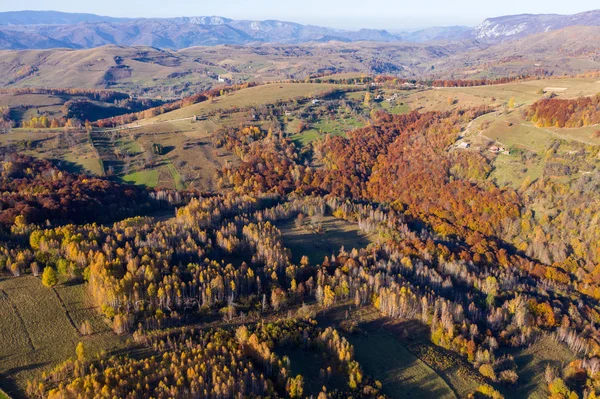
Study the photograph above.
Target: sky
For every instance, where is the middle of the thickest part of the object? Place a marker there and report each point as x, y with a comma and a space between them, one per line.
345, 14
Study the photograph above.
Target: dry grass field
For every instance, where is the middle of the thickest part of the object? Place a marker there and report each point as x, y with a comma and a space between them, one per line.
525, 92
253, 96
532, 362
383, 347
39, 328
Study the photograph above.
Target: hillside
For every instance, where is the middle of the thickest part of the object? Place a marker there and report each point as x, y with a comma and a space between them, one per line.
512, 27
139, 70
570, 50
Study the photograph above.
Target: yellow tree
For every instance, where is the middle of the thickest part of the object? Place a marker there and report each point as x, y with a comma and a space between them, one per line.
80, 352
49, 278
328, 296
368, 99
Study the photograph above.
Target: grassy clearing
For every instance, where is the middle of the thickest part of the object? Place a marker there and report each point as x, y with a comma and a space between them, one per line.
511, 131
77, 302
380, 350
306, 137
334, 234
586, 135
77, 154
509, 170
37, 328
396, 108
202, 129
3, 395
89, 163
338, 126
191, 153
128, 145
532, 364
147, 178
402, 374
309, 364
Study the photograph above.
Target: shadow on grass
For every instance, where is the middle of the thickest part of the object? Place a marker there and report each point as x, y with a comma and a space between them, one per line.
7, 383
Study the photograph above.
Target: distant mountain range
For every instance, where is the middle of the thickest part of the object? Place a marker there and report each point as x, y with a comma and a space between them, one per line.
52, 29
49, 29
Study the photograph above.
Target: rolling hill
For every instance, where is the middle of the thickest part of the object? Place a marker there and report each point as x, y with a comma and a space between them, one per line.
139, 69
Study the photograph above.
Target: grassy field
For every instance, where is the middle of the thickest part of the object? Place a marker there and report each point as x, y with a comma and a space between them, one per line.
403, 375
532, 364
179, 183
335, 234
306, 137
525, 92
396, 108
337, 127
189, 157
3, 395
510, 170
253, 96
76, 151
147, 178
510, 130
379, 348
39, 328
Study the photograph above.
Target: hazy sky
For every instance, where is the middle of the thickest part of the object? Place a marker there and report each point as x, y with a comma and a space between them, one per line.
349, 14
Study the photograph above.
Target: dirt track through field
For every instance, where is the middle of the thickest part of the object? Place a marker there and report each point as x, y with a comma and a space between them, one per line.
18, 315
67, 313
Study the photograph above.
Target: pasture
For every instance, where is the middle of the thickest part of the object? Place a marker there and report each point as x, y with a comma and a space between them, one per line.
382, 349
532, 362
148, 178
39, 328
402, 374
73, 149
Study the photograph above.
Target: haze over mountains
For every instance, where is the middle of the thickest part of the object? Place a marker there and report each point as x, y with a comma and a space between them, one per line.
52, 29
